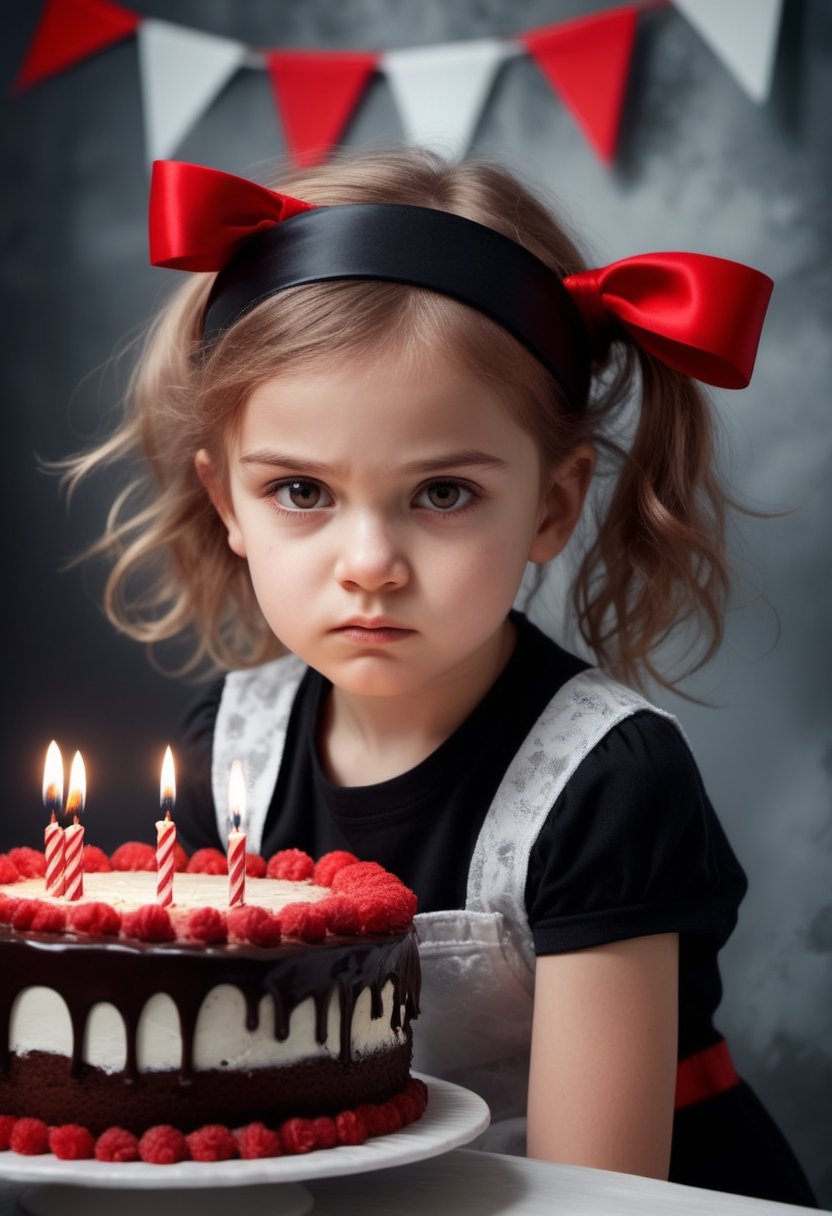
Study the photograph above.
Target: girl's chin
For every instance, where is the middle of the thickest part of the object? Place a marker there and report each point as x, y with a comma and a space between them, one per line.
372, 676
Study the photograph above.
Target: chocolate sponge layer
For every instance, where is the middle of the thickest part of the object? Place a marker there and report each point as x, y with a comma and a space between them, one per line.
39, 1084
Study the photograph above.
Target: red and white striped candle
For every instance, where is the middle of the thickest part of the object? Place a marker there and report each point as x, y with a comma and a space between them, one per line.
54, 850
74, 834
166, 834
236, 836
53, 836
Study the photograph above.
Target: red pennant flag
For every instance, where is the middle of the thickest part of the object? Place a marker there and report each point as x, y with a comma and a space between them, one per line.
71, 30
587, 62
316, 95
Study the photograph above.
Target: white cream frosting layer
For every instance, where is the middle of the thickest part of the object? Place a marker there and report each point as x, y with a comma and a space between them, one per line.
131, 889
40, 1022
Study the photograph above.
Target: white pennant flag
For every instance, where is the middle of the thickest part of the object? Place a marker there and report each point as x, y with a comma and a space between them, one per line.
743, 33
440, 91
181, 72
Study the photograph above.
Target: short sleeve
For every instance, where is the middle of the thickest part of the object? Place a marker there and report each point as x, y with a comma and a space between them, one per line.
632, 847
196, 826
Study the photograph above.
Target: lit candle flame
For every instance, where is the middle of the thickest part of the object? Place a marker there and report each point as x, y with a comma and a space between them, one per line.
167, 786
77, 795
53, 779
236, 795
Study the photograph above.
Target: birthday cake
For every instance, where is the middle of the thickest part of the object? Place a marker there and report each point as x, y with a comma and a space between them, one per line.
130, 1029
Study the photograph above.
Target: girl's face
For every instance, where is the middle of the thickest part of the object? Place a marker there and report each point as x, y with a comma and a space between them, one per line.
387, 514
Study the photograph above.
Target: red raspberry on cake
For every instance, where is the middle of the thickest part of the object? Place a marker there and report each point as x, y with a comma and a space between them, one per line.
418, 1091
386, 911
350, 1127
374, 1118
361, 876
96, 860
29, 863
407, 1108
255, 866
134, 856
298, 1136
340, 914
48, 918
116, 1144
208, 861
328, 866
305, 922
163, 1145
253, 924
8, 907
150, 923
71, 1142
24, 914
96, 918
292, 865
8, 870
39, 916
326, 1133
256, 1140
206, 925
214, 1142
30, 1137
392, 1117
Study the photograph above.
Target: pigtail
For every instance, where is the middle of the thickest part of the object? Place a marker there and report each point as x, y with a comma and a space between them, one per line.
658, 562
171, 572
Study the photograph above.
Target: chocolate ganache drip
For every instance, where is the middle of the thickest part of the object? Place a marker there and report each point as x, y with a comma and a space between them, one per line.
125, 974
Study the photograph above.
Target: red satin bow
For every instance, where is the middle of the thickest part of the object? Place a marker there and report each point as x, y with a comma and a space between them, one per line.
698, 314
200, 217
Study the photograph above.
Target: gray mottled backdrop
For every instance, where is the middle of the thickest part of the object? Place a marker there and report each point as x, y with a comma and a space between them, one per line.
700, 167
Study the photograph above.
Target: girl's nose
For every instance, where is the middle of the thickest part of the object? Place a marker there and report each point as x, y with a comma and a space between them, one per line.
369, 557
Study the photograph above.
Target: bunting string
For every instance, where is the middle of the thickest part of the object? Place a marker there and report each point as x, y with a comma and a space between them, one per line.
440, 92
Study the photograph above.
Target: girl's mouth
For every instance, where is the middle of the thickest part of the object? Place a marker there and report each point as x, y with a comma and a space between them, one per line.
373, 633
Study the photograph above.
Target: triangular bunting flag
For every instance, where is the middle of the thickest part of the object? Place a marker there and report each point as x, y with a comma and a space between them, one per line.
587, 63
71, 30
316, 94
181, 71
440, 91
743, 34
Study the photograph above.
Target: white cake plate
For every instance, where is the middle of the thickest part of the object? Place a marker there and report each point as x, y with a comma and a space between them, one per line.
454, 1117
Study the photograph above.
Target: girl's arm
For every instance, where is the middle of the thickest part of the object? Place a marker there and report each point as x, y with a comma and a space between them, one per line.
604, 1054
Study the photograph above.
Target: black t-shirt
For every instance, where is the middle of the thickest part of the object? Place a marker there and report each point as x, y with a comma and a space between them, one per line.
631, 847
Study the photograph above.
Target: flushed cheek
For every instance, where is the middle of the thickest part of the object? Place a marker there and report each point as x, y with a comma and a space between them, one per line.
475, 591
285, 589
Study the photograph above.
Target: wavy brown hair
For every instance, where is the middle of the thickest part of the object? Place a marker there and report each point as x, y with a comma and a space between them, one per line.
657, 561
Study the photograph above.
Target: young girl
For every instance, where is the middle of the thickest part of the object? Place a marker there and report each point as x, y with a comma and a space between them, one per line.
388, 400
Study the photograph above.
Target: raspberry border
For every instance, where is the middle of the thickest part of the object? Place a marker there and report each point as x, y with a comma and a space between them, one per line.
365, 899
167, 1145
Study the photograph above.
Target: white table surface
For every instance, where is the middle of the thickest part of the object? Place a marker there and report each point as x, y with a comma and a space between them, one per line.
466, 1182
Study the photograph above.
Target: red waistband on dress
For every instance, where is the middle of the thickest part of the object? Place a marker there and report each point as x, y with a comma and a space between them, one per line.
705, 1074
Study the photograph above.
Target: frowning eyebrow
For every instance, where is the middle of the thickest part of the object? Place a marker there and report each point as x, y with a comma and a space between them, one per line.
434, 464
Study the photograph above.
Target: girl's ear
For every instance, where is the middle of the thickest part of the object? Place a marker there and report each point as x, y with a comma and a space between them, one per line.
565, 490
208, 475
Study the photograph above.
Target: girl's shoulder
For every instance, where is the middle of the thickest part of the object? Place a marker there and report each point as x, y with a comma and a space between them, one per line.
632, 845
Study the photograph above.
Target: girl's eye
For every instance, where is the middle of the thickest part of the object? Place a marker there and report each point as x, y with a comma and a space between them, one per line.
447, 496
300, 494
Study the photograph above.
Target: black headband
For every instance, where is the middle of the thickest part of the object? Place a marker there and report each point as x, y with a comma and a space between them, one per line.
421, 247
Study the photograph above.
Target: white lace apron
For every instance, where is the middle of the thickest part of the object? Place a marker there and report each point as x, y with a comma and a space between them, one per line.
477, 962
